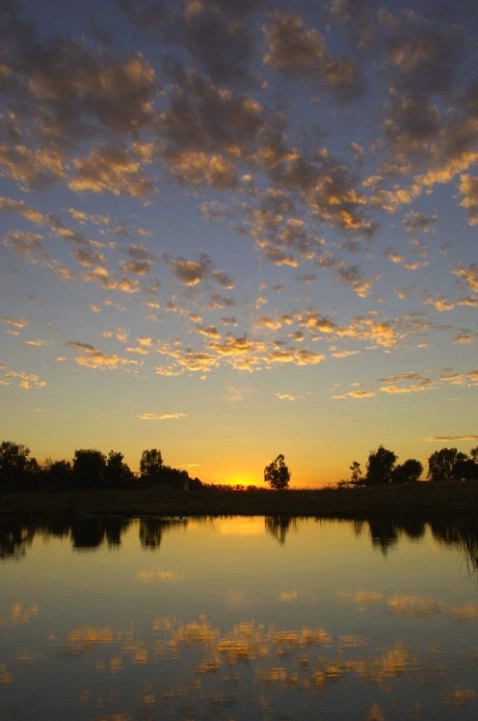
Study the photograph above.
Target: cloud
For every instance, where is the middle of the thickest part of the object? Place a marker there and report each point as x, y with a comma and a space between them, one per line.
202, 115
90, 357
31, 169
197, 167
113, 169
468, 378
160, 416
209, 331
27, 381
83, 218
469, 189
197, 361
397, 390
234, 394
192, 272
416, 221
15, 323
236, 345
7, 205
345, 353
292, 47
103, 277
468, 275
411, 382
139, 261
357, 394
464, 337
25, 244
295, 49
425, 56
38, 343
440, 304
448, 439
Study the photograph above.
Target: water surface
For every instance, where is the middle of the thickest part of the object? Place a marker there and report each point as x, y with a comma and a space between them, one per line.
238, 619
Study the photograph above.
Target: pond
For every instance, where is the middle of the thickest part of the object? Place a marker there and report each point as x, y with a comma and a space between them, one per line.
238, 619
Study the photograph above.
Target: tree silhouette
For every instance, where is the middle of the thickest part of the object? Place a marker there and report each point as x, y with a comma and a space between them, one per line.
448, 464
379, 466
15, 464
276, 474
408, 472
151, 465
117, 472
89, 467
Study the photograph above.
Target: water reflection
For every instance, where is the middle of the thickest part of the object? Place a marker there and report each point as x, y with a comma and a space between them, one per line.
196, 620
92, 532
151, 530
279, 526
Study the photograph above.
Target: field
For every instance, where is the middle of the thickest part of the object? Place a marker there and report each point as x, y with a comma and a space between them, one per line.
420, 499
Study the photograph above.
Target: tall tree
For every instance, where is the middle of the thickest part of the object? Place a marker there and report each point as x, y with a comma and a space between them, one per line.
117, 472
276, 474
442, 463
380, 466
408, 472
15, 464
89, 467
151, 465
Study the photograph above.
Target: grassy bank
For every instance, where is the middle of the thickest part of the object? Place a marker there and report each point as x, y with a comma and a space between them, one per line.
421, 499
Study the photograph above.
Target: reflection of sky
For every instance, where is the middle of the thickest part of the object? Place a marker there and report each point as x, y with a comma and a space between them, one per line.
239, 626
241, 227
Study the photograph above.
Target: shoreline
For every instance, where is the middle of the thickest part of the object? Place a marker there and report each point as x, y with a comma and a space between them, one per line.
418, 499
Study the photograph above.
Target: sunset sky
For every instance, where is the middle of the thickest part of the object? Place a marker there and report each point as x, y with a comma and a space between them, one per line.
237, 228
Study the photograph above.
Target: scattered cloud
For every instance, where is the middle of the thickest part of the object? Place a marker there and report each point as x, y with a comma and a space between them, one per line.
160, 416
450, 439
90, 357
357, 394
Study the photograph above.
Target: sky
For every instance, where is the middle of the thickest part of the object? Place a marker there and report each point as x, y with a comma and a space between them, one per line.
237, 228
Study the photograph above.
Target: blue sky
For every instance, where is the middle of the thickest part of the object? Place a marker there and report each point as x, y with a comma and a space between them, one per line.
236, 229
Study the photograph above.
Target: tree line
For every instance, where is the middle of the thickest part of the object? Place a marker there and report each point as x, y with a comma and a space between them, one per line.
89, 468
447, 464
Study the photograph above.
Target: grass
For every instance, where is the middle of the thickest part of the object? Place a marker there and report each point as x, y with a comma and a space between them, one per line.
421, 499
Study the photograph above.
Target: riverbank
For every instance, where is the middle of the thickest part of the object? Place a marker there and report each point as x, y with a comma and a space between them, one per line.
420, 499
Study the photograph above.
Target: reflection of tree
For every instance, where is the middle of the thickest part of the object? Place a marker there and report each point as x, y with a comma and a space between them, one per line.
385, 531
279, 525
92, 532
462, 533
14, 540
152, 529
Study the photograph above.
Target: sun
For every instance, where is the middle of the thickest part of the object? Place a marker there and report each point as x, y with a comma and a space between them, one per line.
241, 479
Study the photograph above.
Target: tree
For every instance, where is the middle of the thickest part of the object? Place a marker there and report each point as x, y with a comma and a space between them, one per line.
276, 474
117, 472
151, 465
15, 464
465, 468
89, 467
380, 466
408, 472
356, 477
441, 464
59, 474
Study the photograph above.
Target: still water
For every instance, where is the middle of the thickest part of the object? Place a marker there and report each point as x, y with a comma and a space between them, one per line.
238, 619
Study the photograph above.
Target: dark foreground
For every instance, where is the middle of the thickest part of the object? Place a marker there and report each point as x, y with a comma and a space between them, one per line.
420, 499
